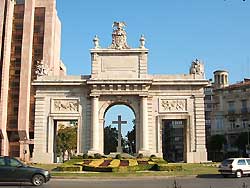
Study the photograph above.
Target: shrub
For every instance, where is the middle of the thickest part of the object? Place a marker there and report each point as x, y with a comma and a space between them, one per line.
169, 168
69, 168
72, 162
152, 156
76, 157
90, 157
85, 156
97, 156
159, 160
118, 156
140, 156
97, 169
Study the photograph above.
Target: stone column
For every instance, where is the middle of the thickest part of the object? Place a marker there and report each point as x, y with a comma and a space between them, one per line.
25, 79
144, 125
94, 125
4, 78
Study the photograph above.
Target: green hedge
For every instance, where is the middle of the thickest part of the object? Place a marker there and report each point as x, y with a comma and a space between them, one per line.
165, 167
121, 169
69, 168
97, 169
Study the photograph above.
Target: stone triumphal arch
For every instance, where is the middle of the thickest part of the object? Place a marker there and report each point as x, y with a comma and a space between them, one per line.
162, 104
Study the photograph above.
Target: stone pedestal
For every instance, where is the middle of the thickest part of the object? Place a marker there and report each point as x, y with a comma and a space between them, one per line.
24, 151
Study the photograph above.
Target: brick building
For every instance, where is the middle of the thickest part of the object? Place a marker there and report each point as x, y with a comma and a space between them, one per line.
30, 33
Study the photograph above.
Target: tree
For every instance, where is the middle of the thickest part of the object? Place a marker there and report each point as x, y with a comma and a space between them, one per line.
216, 143
110, 139
66, 140
242, 141
132, 138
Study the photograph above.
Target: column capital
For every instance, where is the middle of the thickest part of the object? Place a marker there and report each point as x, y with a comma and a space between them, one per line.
93, 95
143, 96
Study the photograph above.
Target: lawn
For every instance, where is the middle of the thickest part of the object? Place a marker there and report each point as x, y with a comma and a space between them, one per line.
188, 169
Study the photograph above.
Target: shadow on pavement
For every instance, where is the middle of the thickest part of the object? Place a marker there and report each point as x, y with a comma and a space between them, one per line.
10, 184
210, 176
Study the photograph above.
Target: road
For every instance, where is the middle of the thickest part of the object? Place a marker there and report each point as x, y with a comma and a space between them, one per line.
205, 181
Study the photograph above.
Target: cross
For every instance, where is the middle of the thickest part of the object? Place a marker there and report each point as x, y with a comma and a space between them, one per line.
119, 123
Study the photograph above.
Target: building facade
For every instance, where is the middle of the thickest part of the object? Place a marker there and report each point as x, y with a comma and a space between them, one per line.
230, 115
208, 91
169, 109
30, 33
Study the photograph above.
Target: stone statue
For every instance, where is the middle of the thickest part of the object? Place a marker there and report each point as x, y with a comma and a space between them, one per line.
41, 68
142, 41
197, 68
119, 36
96, 42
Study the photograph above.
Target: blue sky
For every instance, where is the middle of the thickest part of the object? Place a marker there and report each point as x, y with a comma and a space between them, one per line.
215, 31
177, 32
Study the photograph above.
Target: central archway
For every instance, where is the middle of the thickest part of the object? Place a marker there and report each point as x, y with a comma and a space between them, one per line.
111, 105
123, 139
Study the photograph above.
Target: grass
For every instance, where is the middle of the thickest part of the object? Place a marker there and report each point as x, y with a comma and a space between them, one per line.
188, 169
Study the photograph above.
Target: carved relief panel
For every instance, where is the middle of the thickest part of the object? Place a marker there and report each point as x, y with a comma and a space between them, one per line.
65, 106
172, 105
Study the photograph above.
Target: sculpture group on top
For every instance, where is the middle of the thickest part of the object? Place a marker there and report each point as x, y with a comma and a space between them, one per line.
119, 36
197, 67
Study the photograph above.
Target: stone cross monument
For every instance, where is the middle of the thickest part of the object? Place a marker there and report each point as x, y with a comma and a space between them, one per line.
119, 123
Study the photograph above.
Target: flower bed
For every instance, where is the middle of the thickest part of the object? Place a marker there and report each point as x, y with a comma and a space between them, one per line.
114, 163
124, 163
86, 162
132, 162
142, 162
106, 163
96, 162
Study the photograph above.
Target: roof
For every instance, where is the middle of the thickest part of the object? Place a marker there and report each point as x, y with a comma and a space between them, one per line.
244, 83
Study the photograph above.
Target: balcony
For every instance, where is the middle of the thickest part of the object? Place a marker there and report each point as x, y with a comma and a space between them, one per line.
244, 110
231, 112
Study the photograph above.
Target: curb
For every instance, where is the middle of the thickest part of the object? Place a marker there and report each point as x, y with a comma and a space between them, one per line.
120, 177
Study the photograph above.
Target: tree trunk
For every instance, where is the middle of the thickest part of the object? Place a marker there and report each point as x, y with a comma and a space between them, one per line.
63, 155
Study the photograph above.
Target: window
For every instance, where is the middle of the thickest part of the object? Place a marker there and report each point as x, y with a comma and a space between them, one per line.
248, 161
2, 163
244, 106
19, 26
18, 50
231, 108
219, 123
208, 97
20, 1
232, 123
244, 123
208, 106
227, 162
14, 163
241, 162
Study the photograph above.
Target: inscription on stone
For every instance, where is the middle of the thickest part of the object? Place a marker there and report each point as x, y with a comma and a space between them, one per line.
65, 105
172, 105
